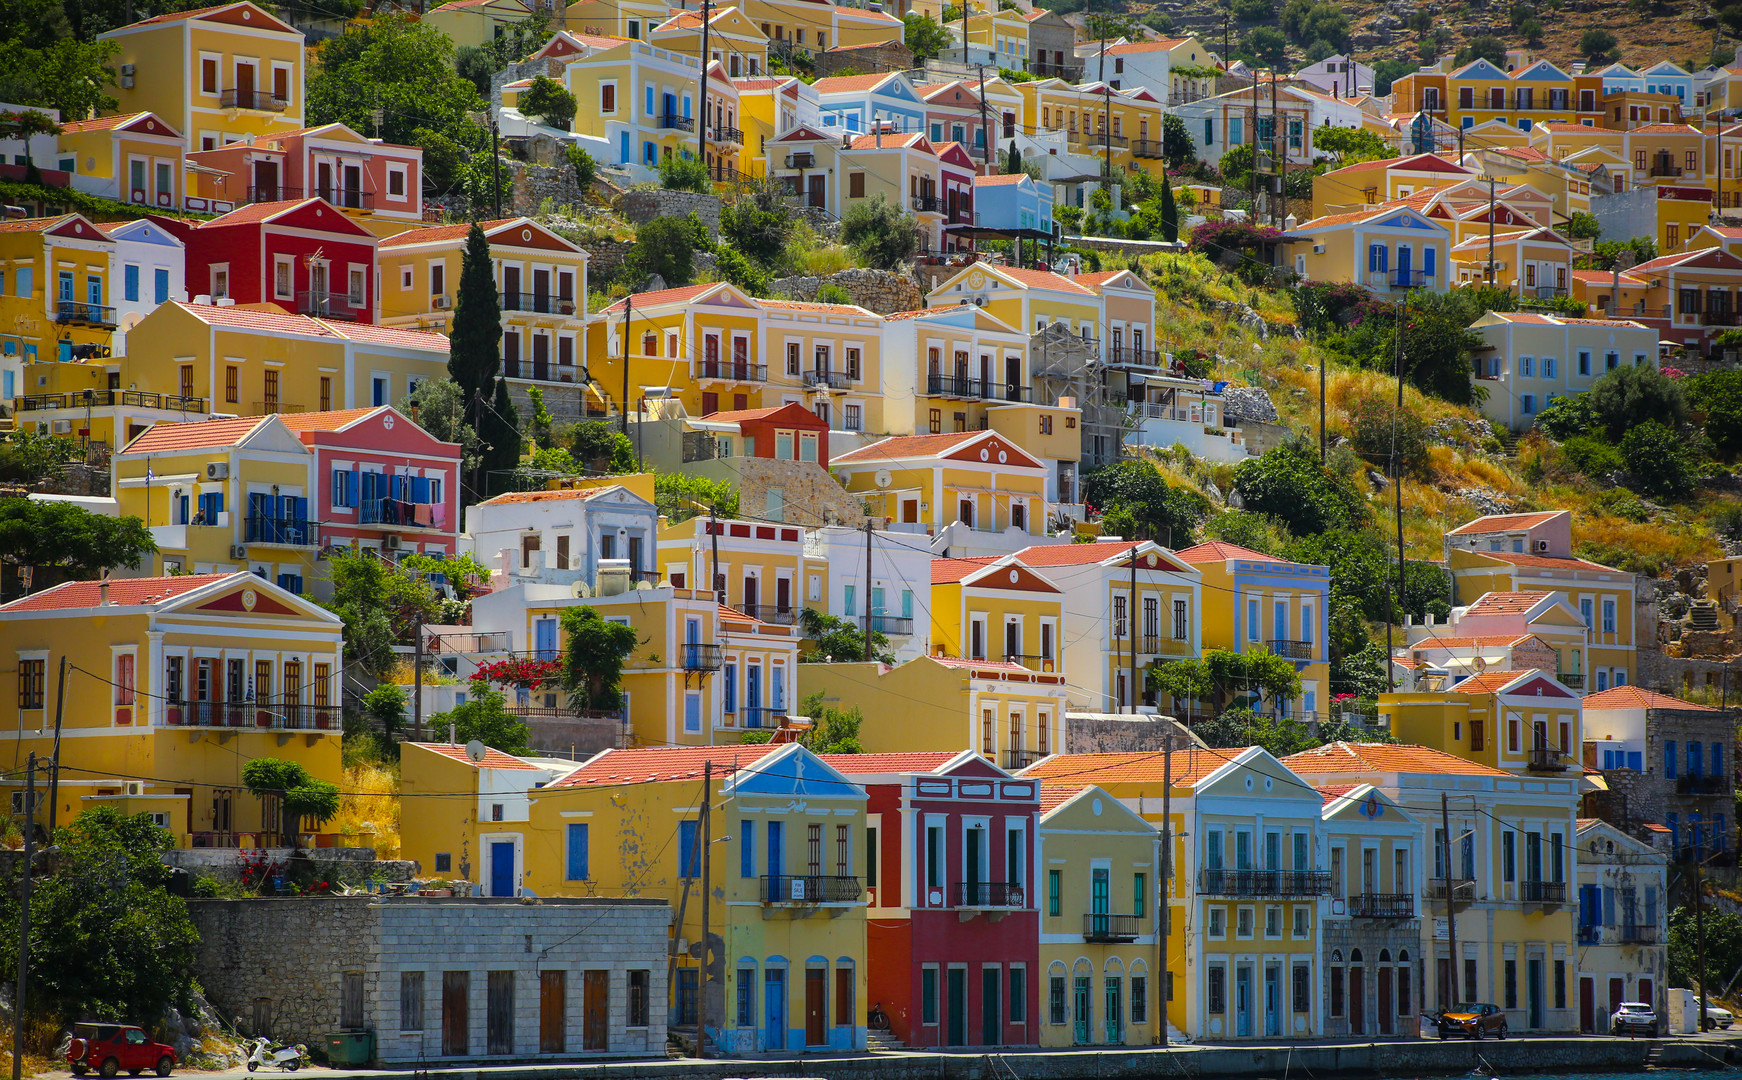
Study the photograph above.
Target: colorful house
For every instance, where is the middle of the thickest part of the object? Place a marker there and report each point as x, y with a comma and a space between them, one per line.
1537, 358
1370, 183
973, 362
59, 299
1389, 249
1623, 924
173, 683
133, 158
1504, 631
217, 75
365, 177
757, 569
1035, 299
995, 609
952, 927
567, 530
639, 99
1514, 721
1671, 755
1370, 941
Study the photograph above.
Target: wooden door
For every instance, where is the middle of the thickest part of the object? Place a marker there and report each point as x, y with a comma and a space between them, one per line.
1357, 1003
595, 1010
552, 1011
245, 86
1587, 1004
1385, 1005
499, 1013
815, 999
456, 1017
1617, 993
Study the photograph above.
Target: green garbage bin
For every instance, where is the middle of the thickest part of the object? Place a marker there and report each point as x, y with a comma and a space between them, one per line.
351, 1049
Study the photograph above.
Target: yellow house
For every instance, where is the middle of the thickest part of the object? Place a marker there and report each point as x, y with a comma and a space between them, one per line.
773, 836
972, 363
217, 75
703, 342
58, 301
1522, 553
1244, 910
253, 360
734, 42
80, 399
1389, 249
1256, 601
639, 98
816, 27
1497, 882
1370, 183
1370, 942
1001, 35
830, 359
1025, 299
1098, 119
996, 609
137, 158
1099, 926
482, 22
1515, 721
1506, 630
172, 684
980, 487
757, 568
1535, 263
1006, 712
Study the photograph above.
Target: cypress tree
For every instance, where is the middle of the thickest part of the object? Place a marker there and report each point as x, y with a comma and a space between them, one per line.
1169, 214
473, 360
500, 432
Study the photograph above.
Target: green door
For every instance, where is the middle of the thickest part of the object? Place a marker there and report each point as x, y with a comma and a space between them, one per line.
957, 1004
1099, 899
1080, 1010
1115, 1012
990, 1033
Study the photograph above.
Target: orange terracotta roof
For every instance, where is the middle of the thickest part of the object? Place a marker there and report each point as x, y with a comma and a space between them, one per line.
1506, 603
256, 212
921, 313
1488, 682
1479, 641
1188, 766
1000, 179
107, 123
123, 592
1637, 697
1344, 757
659, 764
1218, 550
847, 83
1503, 522
493, 758
39, 224
1130, 47
267, 318
949, 571
169, 437
663, 296
889, 140
325, 421
542, 496
1038, 555
805, 305
904, 446
1053, 796
1545, 562
990, 665
441, 232
387, 335
860, 764
1043, 279
1333, 792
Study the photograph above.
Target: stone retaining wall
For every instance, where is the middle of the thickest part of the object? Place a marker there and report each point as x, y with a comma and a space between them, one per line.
641, 205
875, 290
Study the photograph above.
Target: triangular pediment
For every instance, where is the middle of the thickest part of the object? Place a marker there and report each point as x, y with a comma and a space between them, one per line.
992, 450
1009, 576
795, 773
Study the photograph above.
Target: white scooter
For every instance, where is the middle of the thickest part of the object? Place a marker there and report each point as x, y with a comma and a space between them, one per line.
288, 1058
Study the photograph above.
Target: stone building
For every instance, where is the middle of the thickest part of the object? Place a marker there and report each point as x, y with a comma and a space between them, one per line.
1664, 761
439, 979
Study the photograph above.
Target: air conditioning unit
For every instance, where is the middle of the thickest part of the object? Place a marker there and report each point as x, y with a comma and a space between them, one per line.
1318, 249
63, 427
127, 73
1542, 546
218, 470
239, 551
391, 543
440, 303
135, 787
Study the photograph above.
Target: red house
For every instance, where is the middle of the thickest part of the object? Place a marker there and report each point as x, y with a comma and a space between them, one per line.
953, 930
788, 431
380, 481
305, 256
331, 162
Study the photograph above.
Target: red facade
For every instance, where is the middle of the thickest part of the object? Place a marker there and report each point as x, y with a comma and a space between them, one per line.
763, 429
378, 475
953, 934
306, 257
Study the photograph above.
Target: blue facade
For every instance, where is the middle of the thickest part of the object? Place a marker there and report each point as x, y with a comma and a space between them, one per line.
1022, 205
893, 103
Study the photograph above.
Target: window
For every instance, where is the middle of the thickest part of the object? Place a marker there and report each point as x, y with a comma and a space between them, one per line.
30, 680
638, 982
1302, 988
1511, 984
1302, 921
856, 185
689, 859
1018, 1010
396, 182
1054, 902
1139, 892
1218, 923
928, 996
1243, 922
1218, 990
1139, 999
746, 997
1608, 616
411, 1001
283, 267
577, 856
208, 75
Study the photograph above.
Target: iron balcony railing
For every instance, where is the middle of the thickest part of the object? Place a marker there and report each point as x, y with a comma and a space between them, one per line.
1106, 927
1461, 890
79, 311
834, 380
1572, 680
770, 613
273, 194
1117, 354
1048, 71
97, 399
732, 371
275, 406
810, 889
1636, 934
1412, 279
1699, 785
1292, 650
1146, 148
963, 386
1022, 759
763, 716
726, 174
1548, 759
925, 204
1718, 318
1663, 168
697, 657
289, 716
725, 134
291, 532
349, 198
539, 303
892, 625
1031, 661
1382, 906
677, 123
258, 100
987, 894
804, 159
1543, 892
1264, 882
327, 305
538, 370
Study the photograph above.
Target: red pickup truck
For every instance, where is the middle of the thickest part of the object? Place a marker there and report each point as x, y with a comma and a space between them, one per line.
109, 1048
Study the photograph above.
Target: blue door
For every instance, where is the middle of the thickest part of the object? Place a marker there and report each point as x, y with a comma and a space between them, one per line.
502, 868
776, 856
1403, 261
623, 147
774, 1010
544, 638
668, 103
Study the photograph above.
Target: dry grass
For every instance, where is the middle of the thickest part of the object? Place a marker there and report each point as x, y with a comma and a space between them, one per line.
826, 259
369, 808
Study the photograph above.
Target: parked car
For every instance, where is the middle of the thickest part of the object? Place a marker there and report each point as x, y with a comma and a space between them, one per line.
109, 1048
1634, 1016
1718, 1017
1473, 1021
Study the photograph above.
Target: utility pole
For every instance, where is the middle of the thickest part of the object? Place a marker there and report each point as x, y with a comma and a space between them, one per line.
417, 682
1396, 467
1131, 624
1278, 152
1491, 232
1321, 410
623, 402
24, 920
496, 163
986, 142
707, 878
868, 589
714, 559
60, 710
1451, 910
702, 93
1106, 111
1165, 877
1699, 931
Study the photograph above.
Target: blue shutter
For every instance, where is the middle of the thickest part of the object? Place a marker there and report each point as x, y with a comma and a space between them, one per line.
420, 489
130, 278
577, 852
351, 489
747, 849
301, 509
1696, 754
1428, 258
1636, 761
1717, 759
686, 842
1669, 759
731, 693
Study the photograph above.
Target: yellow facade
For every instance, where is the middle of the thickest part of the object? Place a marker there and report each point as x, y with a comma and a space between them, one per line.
136, 159
1024, 299
698, 340
478, 23
1369, 183
818, 27
1099, 925
58, 294
758, 569
173, 684
943, 482
1601, 595
1098, 120
1001, 610
217, 75
1515, 721
79, 399
1370, 942
1389, 249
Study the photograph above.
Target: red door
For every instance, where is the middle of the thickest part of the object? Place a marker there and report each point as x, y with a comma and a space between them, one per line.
1357, 1003
1617, 993
1587, 1004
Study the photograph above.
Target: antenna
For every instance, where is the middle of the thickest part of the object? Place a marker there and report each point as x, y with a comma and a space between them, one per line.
476, 750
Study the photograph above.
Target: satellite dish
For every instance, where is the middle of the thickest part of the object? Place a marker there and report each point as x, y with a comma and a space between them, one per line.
582, 590
884, 478
475, 750
643, 586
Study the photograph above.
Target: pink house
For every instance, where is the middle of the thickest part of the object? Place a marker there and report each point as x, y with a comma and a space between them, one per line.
956, 172
358, 175
380, 481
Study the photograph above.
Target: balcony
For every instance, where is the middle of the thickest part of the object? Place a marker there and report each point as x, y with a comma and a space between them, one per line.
987, 894
1018, 759
1718, 318
349, 198
258, 100
538, 303
1264, 882
726, 174
823, 378
726, 134
80, 313
1634, 934
273, 407
1030, 661
1102, 928
1411, 279
770, 613
892, 625
809, 889
698, 657
1291, 650
1572, 680
98, 399
328, 305
1053, 71
1699, 785
677, 123
1461, 890
732, 371
804, 159
1663, 168
762, 716
286, 532
1118, 355
1382, 906
1146, 148
259, 715
538, 370
971, 389
274, 194
1546, 893
926, 204
1548, 759
1152, 644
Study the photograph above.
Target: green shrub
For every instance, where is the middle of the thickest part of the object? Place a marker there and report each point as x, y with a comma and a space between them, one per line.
1593, 455
1659, 461
685, 174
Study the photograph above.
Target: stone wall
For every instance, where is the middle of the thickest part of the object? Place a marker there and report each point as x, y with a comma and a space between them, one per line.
863, 59
352, 866
534, 183
641, 205
875, 290
808, 495
577, 738
1103, 733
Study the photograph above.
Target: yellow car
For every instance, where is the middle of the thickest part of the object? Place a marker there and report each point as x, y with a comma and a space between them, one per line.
1472, 1022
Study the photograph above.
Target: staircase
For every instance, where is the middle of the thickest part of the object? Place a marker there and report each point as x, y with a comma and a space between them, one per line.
1508, 442
883, 1041
1652, 1054
1703, 615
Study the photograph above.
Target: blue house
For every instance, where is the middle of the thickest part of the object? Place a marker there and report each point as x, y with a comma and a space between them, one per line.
853, 103
1012, 203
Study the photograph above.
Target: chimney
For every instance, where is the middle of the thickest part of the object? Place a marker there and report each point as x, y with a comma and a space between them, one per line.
103, 592
613, 577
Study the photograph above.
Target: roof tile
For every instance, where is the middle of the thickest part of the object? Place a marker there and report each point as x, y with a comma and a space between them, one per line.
1188, 766
493, 758
666, 763
169, 437
1346, 757
123, 592
1637, 697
